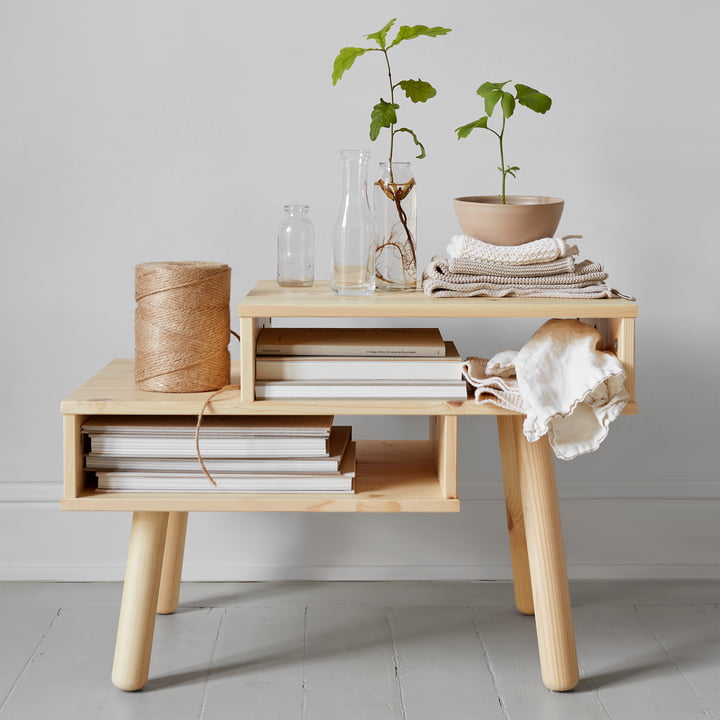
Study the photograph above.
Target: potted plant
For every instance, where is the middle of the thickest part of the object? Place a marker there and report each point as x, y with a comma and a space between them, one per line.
507, 219
395, 203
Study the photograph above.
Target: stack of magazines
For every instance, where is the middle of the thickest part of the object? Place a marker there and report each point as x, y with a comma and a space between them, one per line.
377, 363
242, 453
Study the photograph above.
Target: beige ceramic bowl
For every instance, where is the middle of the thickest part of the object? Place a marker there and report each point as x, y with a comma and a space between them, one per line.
521, 219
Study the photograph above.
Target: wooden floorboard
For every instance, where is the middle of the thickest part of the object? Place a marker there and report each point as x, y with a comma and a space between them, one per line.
690, 635
629, 669
438, 648
350, 667
22, 631
257, 666
316, 651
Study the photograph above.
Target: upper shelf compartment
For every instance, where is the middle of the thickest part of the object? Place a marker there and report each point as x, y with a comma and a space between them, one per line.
613, 317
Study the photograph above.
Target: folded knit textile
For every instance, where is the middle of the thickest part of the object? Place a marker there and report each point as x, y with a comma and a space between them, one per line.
540, 268
565, 386
536, 251
441, 279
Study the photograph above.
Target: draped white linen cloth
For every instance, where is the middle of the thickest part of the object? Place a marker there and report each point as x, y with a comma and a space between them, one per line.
566, 387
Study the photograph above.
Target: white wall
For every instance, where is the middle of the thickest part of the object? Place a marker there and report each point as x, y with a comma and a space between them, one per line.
175, 129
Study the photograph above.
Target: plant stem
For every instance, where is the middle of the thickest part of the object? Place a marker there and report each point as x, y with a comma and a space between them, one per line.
502, 158
392, 101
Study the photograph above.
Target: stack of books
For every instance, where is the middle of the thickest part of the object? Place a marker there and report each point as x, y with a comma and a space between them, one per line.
385, 363
242, 453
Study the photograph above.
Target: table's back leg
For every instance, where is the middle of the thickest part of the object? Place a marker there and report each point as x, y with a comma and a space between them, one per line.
546, 555
171, 574
509, 428
139, 600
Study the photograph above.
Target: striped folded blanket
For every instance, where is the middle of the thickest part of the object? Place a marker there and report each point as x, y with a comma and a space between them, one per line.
450, 278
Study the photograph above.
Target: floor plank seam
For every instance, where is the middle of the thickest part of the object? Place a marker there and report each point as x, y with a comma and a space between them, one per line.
586, 681
396, 661
701, 701
488, 661
29, 661
304, 657
208, 675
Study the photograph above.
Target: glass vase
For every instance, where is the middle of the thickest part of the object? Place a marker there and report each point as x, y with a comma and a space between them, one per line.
354, 236
396, 226
296, 248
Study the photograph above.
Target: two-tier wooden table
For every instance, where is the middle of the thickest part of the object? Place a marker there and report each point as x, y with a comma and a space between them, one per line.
392, 476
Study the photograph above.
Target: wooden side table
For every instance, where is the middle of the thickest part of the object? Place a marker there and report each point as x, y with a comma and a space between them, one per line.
426, 483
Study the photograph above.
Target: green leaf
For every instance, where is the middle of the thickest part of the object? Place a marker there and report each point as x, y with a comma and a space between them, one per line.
344, 61
508, 104
383, 115
491, 92
531, 98
487, 88
418, 90
417, 142
511, 170
465, 130
407, 32
381, 35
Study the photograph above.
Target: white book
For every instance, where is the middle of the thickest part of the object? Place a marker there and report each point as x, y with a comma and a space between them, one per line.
339, 439
211, 447
380, 389
340, 482
308, 367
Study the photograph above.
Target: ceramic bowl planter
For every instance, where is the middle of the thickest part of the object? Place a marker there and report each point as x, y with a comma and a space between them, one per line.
521, 219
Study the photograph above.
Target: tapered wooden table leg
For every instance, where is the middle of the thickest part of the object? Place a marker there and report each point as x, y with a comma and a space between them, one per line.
139, 600
551, 596
171, 575
509, 429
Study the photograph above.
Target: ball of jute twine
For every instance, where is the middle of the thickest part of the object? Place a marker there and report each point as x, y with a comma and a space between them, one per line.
182, 326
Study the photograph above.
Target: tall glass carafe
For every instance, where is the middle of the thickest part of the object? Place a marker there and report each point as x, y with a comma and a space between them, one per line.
353, 261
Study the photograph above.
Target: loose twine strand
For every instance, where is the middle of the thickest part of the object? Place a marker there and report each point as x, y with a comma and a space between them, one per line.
207, 402
182, 326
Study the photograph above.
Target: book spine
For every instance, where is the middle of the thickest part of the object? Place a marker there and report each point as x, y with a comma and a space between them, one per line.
349, 350
289, 368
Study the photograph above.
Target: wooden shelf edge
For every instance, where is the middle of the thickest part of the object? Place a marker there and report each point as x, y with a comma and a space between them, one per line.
242, 502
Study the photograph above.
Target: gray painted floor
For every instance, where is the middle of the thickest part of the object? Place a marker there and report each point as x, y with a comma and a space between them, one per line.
316, 651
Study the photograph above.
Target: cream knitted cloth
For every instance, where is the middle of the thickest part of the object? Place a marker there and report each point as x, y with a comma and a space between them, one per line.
537, 251
565, 386
585, 282
482, 267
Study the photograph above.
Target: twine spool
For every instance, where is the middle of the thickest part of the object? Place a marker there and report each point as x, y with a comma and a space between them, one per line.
182, 326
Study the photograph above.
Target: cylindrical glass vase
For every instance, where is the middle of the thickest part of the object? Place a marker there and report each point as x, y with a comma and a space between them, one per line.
354, 236
296, 248
396, 227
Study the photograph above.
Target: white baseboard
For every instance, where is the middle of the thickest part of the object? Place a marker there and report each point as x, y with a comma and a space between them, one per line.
605, 538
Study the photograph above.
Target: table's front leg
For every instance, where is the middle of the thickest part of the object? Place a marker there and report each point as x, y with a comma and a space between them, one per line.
546, 555
139, 600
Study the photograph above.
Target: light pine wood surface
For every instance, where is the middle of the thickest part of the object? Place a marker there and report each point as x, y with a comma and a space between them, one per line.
416, 476
411, 651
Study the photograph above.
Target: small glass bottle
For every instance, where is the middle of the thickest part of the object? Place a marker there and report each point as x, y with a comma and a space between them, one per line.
296, 248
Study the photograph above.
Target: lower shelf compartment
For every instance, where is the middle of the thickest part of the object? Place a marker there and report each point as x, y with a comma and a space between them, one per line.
391, 476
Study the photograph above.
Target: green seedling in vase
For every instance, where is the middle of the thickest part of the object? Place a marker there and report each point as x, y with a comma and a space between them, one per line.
494, 94
384, 115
